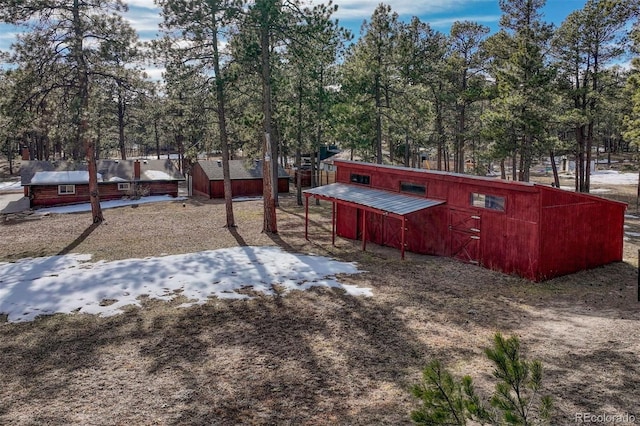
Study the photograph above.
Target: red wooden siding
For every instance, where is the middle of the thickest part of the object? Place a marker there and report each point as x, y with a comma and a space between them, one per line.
245, 187
47, 195
542, 233
576, 236
200, 181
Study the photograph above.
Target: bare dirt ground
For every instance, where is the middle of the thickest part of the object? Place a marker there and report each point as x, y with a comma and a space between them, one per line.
318, 357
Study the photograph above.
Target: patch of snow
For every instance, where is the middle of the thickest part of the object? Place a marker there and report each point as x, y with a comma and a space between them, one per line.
633, 234
600, 190
86, 207
630, 216
608, 177
71, 283
62, 177
157, 175
10, 186
247, 198
117, 179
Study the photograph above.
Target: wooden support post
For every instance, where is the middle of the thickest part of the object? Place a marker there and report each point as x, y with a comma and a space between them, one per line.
306, 217
404, 224
364, 230
333, 223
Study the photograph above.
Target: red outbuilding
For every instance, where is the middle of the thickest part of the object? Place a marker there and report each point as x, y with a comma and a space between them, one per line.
530, 230
246, 178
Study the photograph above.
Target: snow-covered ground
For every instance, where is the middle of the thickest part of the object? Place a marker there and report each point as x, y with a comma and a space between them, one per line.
85, 207
613, 177
10, 186
72, 283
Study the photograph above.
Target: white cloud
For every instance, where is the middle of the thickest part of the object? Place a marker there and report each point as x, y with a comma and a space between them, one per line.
147, 4
447, 22
363, 9
143, 21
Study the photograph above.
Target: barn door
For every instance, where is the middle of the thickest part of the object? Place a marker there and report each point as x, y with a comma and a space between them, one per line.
375, 228
464, 233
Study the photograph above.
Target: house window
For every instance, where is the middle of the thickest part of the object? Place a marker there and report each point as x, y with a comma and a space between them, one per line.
124, 186
413, 188
66, 189
491, 202
361, 179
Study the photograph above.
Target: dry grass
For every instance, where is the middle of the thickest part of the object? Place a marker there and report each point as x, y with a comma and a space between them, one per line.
317, 357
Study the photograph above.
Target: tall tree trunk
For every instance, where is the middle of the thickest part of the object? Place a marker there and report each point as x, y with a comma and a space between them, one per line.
222, 127
270, 221
82, 76
580, 139
156, 135
554, 167
459, 167
378, 132
378, 100
275, 140
407, 149
298, 161
587, 166
319, 129
121, 113
439, 120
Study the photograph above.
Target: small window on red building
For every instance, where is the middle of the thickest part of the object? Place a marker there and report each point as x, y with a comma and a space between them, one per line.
491, 202
66, 189
413, 188
361, 179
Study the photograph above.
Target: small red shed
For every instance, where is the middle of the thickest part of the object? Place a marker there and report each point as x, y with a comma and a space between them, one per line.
534, 231
246, 178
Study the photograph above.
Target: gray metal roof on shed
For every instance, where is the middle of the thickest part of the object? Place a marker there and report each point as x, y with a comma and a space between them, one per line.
238, 169
386, 201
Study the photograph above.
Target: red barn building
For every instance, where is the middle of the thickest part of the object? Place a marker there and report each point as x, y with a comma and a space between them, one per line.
246, 179
533, 231
54, 183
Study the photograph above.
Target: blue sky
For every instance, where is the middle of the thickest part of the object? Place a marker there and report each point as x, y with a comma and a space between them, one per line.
440, 14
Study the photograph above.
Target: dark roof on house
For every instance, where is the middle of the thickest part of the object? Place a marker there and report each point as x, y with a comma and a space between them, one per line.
384, 201
342, 156
57, 172
238, 169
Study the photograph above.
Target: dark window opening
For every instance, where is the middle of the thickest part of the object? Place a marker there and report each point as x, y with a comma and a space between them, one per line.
413, 188
491, 202
361, 179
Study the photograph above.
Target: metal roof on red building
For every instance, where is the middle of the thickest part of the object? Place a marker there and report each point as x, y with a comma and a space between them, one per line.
385, 201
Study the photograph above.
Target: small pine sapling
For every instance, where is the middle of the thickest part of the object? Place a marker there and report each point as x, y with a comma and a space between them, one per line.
446, 401
516, 400
517, 391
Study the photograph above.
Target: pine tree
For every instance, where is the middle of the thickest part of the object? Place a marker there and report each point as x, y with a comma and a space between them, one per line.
515, 401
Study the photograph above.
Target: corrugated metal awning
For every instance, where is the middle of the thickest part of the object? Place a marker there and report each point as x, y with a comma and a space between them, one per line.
384, 201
